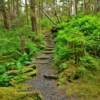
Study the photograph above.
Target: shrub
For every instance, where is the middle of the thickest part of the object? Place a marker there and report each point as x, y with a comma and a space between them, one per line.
17, 93
5, 80
69, 45
45, 23
89, 63
62, 67
81, 71
2, 69
78, 40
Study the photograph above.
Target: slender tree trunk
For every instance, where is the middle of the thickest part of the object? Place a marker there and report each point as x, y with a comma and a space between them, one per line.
98, 5
68, 9
33, 17
74, 8
17, 7
95, 6
86, 7
26, 11
4, 14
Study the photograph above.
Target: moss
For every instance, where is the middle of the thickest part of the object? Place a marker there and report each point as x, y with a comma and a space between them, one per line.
84, 90
86, 87
19, 92
31, 74
68, 74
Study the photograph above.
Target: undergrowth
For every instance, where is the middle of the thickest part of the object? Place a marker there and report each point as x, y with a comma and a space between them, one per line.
77, 56
17, 49
19, 92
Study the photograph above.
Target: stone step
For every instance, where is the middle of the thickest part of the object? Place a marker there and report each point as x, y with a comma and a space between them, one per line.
49, 41
50, 77
48, 49
40, 62
48, 37
48, 34
43, 57
48, 52
50, 46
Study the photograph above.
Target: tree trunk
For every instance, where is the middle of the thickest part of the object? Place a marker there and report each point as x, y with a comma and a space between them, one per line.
86, 7
26, 11
4, 14
17, 8
74, 8
98, 5
33, 17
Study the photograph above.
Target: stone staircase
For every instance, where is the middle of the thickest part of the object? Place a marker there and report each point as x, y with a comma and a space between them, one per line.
46, 80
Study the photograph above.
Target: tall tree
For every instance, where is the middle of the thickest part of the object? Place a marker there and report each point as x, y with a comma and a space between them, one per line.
17, 7
26, 11
33, 17
74, 7
86, 6
98, 5
4, 14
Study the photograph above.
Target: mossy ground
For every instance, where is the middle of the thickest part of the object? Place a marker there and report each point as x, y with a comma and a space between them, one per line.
18, 92
84, 88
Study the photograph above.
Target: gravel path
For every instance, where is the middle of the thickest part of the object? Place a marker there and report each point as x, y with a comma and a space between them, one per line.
47, 86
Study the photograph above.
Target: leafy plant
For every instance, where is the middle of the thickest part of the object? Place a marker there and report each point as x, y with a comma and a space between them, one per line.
89, 63
2, 69
78, 40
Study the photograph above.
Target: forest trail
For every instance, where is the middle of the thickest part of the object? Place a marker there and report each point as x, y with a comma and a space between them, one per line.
45, 82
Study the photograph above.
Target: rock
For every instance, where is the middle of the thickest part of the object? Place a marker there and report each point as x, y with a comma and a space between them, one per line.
48, 52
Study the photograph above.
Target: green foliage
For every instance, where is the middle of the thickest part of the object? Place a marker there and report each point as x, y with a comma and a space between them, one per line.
10, 40
45, 23
33, 49
69, 45
81, 71
2, 69
62, 67
23, 59
5, 80
17, 93
17, 74
89, 63
87, 24
78, 40
10, 47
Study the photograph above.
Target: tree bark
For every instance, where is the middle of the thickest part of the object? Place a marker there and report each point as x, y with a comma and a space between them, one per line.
95, 6
98, 5
33, 17
4, 14
86, 7
26, 11
74, 8
17, 7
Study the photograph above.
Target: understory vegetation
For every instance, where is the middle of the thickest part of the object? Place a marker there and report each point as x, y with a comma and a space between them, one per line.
18, 92
18, 47
62, 33
77, 56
